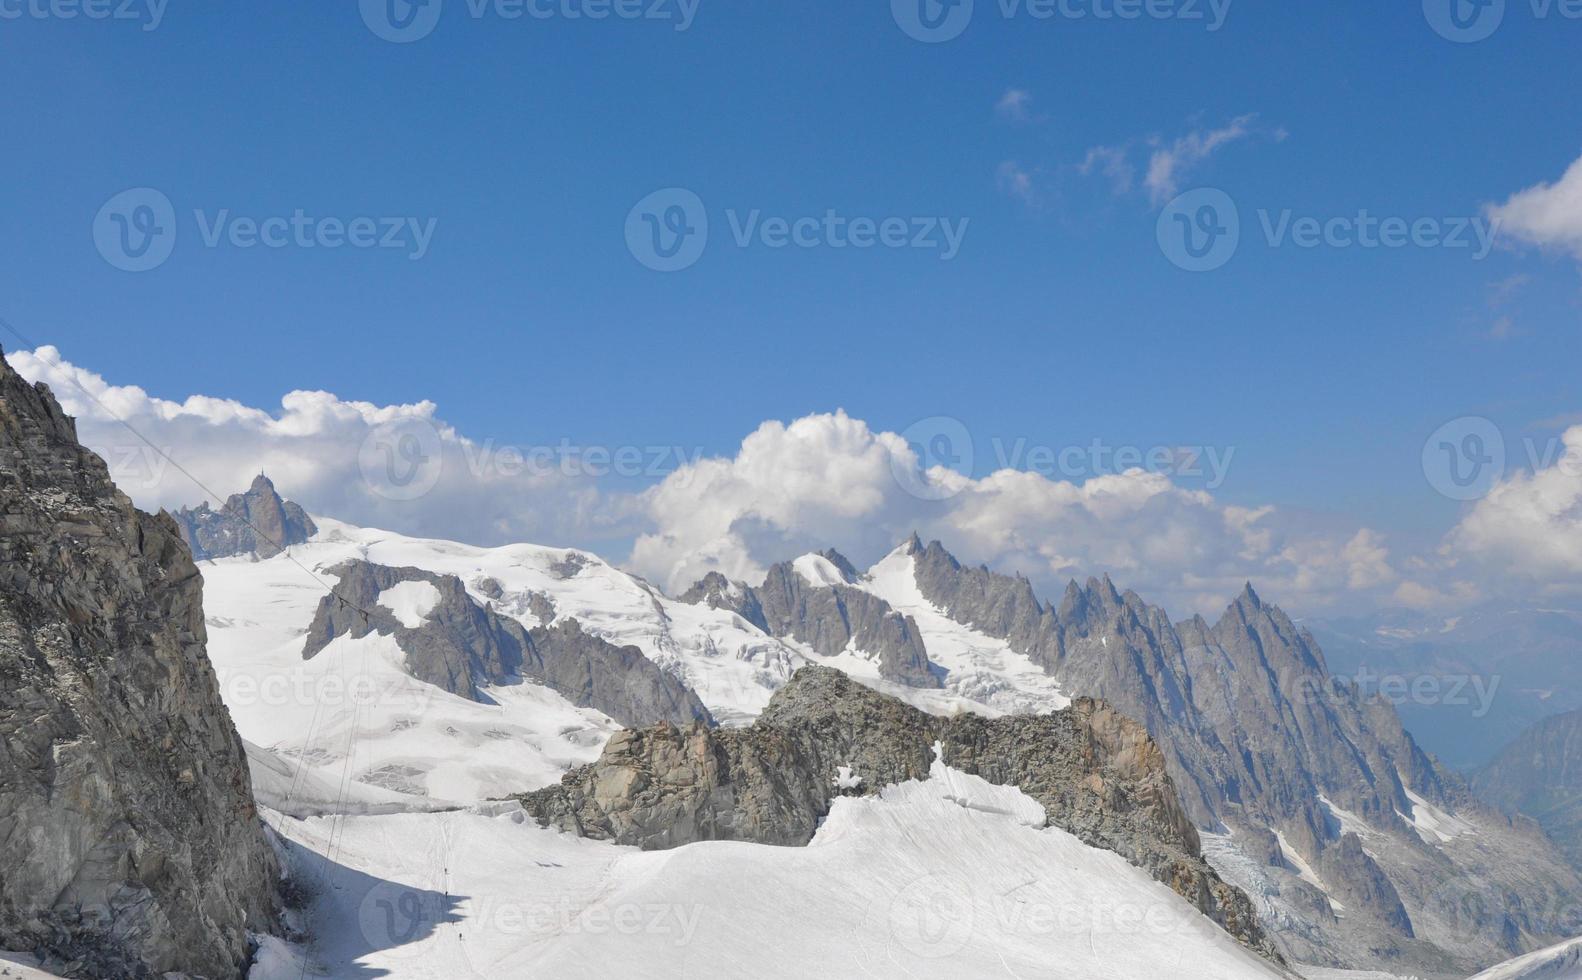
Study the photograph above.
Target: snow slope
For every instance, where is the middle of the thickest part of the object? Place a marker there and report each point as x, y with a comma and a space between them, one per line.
946, 877
981, 668
1559, 962
352, 717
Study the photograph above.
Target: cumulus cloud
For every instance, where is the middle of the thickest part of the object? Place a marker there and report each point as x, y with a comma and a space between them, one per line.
829, 479
818, 481
1545, 215
1529, 527
392, 466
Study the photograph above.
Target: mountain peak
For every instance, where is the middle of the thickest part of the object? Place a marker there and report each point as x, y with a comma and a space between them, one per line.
847, 569
259, 522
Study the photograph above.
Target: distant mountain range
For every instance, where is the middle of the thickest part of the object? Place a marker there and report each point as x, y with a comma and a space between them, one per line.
1466, 685
1357, 848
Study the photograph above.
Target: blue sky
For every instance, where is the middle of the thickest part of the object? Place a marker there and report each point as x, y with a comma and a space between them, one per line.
526, 142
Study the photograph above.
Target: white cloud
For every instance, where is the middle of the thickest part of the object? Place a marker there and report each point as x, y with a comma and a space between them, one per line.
1545, 215
321, 450
1014, 104
1018, 182
1110, 161
830, 479
1529, 527
1169, 165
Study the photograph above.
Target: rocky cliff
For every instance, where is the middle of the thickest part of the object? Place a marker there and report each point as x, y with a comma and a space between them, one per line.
257, 522
1096, 773
1540, 775
827, 613
1259, 736
129, 841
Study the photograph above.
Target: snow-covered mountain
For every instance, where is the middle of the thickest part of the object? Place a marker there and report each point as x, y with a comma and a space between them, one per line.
1307, 796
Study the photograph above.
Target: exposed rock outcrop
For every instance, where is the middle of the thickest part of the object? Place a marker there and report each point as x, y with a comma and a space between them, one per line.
1540, 775
461, 645
1097, 774
1259, 736
257, 522
830, 616
130, 846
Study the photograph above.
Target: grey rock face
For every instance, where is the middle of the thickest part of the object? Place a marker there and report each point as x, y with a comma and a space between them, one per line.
257, 522
1097, 774
1540, 775
130, 845
828, 618
462, 644
718, 592
1255, 731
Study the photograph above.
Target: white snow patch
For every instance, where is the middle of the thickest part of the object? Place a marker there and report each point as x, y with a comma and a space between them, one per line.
1304, 870
818, 571
982, 672
846, 779
411, 602
351, 729
1432, 824
1559, 962
21, 966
